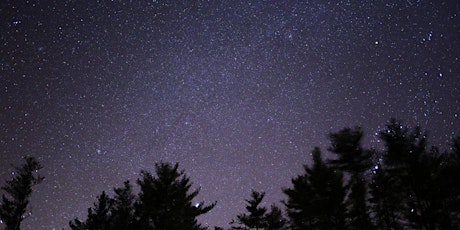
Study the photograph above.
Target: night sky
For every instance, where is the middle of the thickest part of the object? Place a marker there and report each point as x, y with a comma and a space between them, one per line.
237, 92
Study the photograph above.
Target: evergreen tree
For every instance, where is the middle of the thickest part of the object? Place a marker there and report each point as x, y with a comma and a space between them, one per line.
123, 208
18, 191
255, 217
432, 190
98, 217
451, 174
298, 205
274, 219
165, 201
426, 182
385, 202
449, 177
316, 200
401, 149
352, 158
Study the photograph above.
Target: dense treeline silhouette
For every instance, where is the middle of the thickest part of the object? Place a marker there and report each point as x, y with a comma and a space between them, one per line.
164, 202
407, 185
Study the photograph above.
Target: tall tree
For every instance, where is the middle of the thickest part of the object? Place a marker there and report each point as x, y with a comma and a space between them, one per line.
123, 208
426, 182
385, 202
352, 158
316, 200
449, 177
18, 192
165, 201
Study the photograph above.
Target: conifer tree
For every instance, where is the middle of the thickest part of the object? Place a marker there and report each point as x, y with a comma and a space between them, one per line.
254, 219
424, 181
123, 208
449, 177
257, 217
316, 200
165, 201
352, 158
18, 190
98, 217
275, 219
385, 202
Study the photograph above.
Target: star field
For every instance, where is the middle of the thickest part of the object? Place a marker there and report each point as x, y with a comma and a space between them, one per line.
237, 92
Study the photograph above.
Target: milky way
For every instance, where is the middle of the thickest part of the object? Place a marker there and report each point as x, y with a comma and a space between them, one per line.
237, 92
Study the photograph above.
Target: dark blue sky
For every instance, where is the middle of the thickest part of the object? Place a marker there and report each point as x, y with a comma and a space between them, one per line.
237, 92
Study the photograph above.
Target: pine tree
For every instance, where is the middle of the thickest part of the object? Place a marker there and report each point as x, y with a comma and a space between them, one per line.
352, 158
98, 217
274, 219
385, 202
426, 182
316, 200
355, 160
165, 201
254, 219
18, 191
449, 177
123, 208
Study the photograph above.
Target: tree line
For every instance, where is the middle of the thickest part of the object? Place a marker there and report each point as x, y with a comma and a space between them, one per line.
407, 185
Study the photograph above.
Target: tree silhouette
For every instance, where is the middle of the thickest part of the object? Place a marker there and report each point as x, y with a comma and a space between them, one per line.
98, 216
408, 187
165, 201
275, 219
18, 191
432, 191
414, 187
385, 201
123, 208
257, 217
448, 183
352, 158
316, 200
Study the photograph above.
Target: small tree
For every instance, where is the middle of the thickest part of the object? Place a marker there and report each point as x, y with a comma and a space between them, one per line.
255, 217
18, 191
